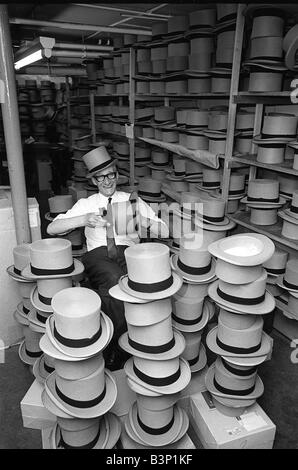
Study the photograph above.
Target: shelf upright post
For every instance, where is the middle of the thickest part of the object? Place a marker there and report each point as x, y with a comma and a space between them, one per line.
67, 95
132, 62
92, 115
233, 106
257, 130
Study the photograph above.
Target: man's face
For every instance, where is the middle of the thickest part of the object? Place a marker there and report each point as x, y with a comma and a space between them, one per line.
107, 187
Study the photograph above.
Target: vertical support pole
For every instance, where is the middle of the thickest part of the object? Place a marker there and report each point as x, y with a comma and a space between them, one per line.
67, 95
11, 124
232, 105
92, 114
132, 58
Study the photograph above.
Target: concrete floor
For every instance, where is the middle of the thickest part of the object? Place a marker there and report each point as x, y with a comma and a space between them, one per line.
279, 375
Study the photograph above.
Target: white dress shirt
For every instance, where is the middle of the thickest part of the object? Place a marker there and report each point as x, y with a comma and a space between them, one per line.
96, 237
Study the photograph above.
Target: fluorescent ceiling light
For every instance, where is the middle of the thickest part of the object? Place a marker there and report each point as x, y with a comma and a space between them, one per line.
34, 57
36, 50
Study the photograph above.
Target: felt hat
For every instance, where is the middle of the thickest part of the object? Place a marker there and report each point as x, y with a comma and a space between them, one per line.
289, 280
194, 351
193, 262
177, 24
42, 367
179, 165
42, 294
150, 333
236, 186
21, 257
239, 389
78, 327
166, 377
85, 397
51, 258
205, 18
239, 336
276, 265
290, 46
287, 185
149, 272
37, 320
279, 126
126, 216
263, 193
159, 158
29, 349
250, 298
150, 190
292, 211
97, 159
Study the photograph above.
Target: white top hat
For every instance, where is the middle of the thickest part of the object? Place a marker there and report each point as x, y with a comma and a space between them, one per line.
42, 367
292, 211
289, 281
29, 349
59, 205
263, 193
97, 159
276, 265
21, 257
194, 351
42, 294
290, 46
267, 21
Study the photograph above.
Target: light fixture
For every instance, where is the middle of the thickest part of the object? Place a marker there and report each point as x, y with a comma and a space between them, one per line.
36, 50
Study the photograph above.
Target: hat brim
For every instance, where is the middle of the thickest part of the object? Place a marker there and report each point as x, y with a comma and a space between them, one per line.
92, 412
214, 228
161, 198
51, 407
291, 214
210, 188
159, 167
37, 303
267, 306
196, 326
232, 197
138, 388
172, 177
24, 356
177, 283
21, 319
265, 64
78, 269
253, 358
288, 218
201, 278
257, 139
32, 317
280, 283
117, 293
92, 173
263, 255
185, 215
257, 392
88, 351
176, 350
39, 371
177, 386
16, 277
201, 362
159, 439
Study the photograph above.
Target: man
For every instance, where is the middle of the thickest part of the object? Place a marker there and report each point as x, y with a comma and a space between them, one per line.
104, 263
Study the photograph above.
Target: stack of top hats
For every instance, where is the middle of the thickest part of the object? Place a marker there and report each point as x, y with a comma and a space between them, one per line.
159, 163
164, 119
192, 135
245, 126
290, 47
217, 131
60, 205
156, 371
290, 219
236, 191
275, 267
294, 150
80, 392
264, 200
176, 175
149, 190
288, 282
239, 340
278, 129
29, 350
288, 184
265, 62
211, 180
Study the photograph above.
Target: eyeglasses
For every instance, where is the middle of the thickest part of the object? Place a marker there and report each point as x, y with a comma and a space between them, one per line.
110, 176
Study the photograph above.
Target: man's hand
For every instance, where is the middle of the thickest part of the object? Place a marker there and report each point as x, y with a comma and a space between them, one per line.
94, 220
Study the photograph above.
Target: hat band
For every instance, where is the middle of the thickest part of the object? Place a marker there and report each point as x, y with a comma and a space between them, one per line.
45, 300
41, 318
152, 349
33, 354
240, 372
193, 361
151, 288
208, 184
277, 136
25, 310
160, 163
17, 271
77, 343
223, 76
237, 350
194, 126
239, 300
275, 271
76, 247
48, 368
90, 445
229, 391
176, 245
182, 321
294, 209
236, 192
156, 431
146, 193
179, 173
196, 173
101, 166
289, 285
262, 199
79, 403
212, 219
224, 64
193, 270
256, 69
157, 381
44, 272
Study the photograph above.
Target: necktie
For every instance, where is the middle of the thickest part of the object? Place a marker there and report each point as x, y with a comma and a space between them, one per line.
133, 198
111, 245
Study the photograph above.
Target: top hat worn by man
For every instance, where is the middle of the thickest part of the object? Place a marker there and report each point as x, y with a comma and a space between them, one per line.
104, 261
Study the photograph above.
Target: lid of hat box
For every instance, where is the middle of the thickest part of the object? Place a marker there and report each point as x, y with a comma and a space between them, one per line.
127, 443
35, 415
125, 396
252, 430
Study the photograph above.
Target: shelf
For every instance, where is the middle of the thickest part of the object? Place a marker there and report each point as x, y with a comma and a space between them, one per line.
285, 167
274, 97
185, 95
112, 96
111, 133
271, 231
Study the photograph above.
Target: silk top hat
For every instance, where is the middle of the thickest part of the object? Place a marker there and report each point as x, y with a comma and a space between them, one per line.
194, 352
42, 367
166, 377
51, 258
290, 46
276, 265
97, 159
21, 257
150, 333
59, 205
263, 193
220, 381
250, 297
89, 395
44, 291
239, 336
193, 262
78, 327
150, 190
289, 281
149, 272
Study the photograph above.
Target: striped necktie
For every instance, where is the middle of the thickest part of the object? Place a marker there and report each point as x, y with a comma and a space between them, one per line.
111, 245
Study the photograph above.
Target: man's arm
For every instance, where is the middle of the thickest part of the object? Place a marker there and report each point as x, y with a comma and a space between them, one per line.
59, 226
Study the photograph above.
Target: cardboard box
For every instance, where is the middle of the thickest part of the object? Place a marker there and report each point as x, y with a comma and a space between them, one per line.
34, 413
125, 396
252, 430
126, 442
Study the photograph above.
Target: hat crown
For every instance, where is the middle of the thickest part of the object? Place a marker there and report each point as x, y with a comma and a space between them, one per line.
240, 337
148, 262
21, 255
205, 17
50, 287
157, 369
60, 203
192, 345
250, 290
75, 370
157, 403
263, 189
51, 253
97, 159
277, 260
148, 313
232, 381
